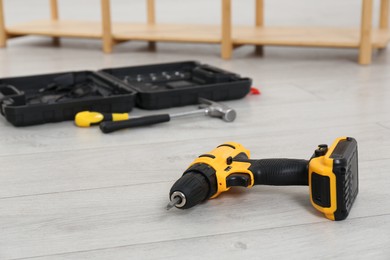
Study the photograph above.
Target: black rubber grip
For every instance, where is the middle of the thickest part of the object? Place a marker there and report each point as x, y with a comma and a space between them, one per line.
108, 127
280, 172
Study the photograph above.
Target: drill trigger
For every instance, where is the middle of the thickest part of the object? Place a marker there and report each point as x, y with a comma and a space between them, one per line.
238, 179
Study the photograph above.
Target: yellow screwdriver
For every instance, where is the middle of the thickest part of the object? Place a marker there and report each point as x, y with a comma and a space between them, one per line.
89, 118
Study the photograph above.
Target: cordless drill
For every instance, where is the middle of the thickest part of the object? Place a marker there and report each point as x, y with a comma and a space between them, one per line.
331, 174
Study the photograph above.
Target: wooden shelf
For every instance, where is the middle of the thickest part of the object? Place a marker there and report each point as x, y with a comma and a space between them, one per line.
380, 38
120, 31
167, 32
62, 28
366, 38
312, 37
298, 36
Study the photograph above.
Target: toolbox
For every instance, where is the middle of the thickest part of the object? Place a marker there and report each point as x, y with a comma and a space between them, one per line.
181, 83
57, 97
46, 98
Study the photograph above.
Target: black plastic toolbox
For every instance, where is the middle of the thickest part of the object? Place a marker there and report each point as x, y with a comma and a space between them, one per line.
39, 99
178, 84
22, 102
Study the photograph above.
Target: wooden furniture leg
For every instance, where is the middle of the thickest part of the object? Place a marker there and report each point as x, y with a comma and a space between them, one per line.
365, 49
3, 33
54, 17
151, 14
106, 26
259, 16
226, 39
384, 17
384, 14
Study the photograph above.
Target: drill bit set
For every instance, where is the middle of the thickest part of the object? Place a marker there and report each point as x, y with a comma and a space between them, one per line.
179, 84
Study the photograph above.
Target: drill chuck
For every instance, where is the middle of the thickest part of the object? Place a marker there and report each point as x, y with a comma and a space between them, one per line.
191, 189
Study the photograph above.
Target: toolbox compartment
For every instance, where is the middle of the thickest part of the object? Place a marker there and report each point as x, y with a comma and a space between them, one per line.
22, 102
178, 84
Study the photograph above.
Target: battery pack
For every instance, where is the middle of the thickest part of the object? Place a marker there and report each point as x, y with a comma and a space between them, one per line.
333, 178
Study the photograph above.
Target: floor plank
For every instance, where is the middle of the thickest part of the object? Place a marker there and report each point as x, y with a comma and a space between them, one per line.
318, 240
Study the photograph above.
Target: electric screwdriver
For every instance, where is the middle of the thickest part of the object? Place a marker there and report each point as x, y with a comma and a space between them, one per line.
331, 174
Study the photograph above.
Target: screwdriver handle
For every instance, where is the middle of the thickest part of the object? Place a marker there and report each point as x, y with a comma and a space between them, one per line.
108, 127
280, 172
89, 118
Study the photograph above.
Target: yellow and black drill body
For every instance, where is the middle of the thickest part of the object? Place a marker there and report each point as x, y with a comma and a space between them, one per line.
331, 174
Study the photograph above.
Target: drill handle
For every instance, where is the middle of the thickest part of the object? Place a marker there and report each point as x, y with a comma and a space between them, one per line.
280, 172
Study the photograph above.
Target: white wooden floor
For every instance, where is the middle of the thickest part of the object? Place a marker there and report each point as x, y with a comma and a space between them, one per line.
71, 193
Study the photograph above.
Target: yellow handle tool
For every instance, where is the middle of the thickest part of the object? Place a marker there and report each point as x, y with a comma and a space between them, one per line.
89, 118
